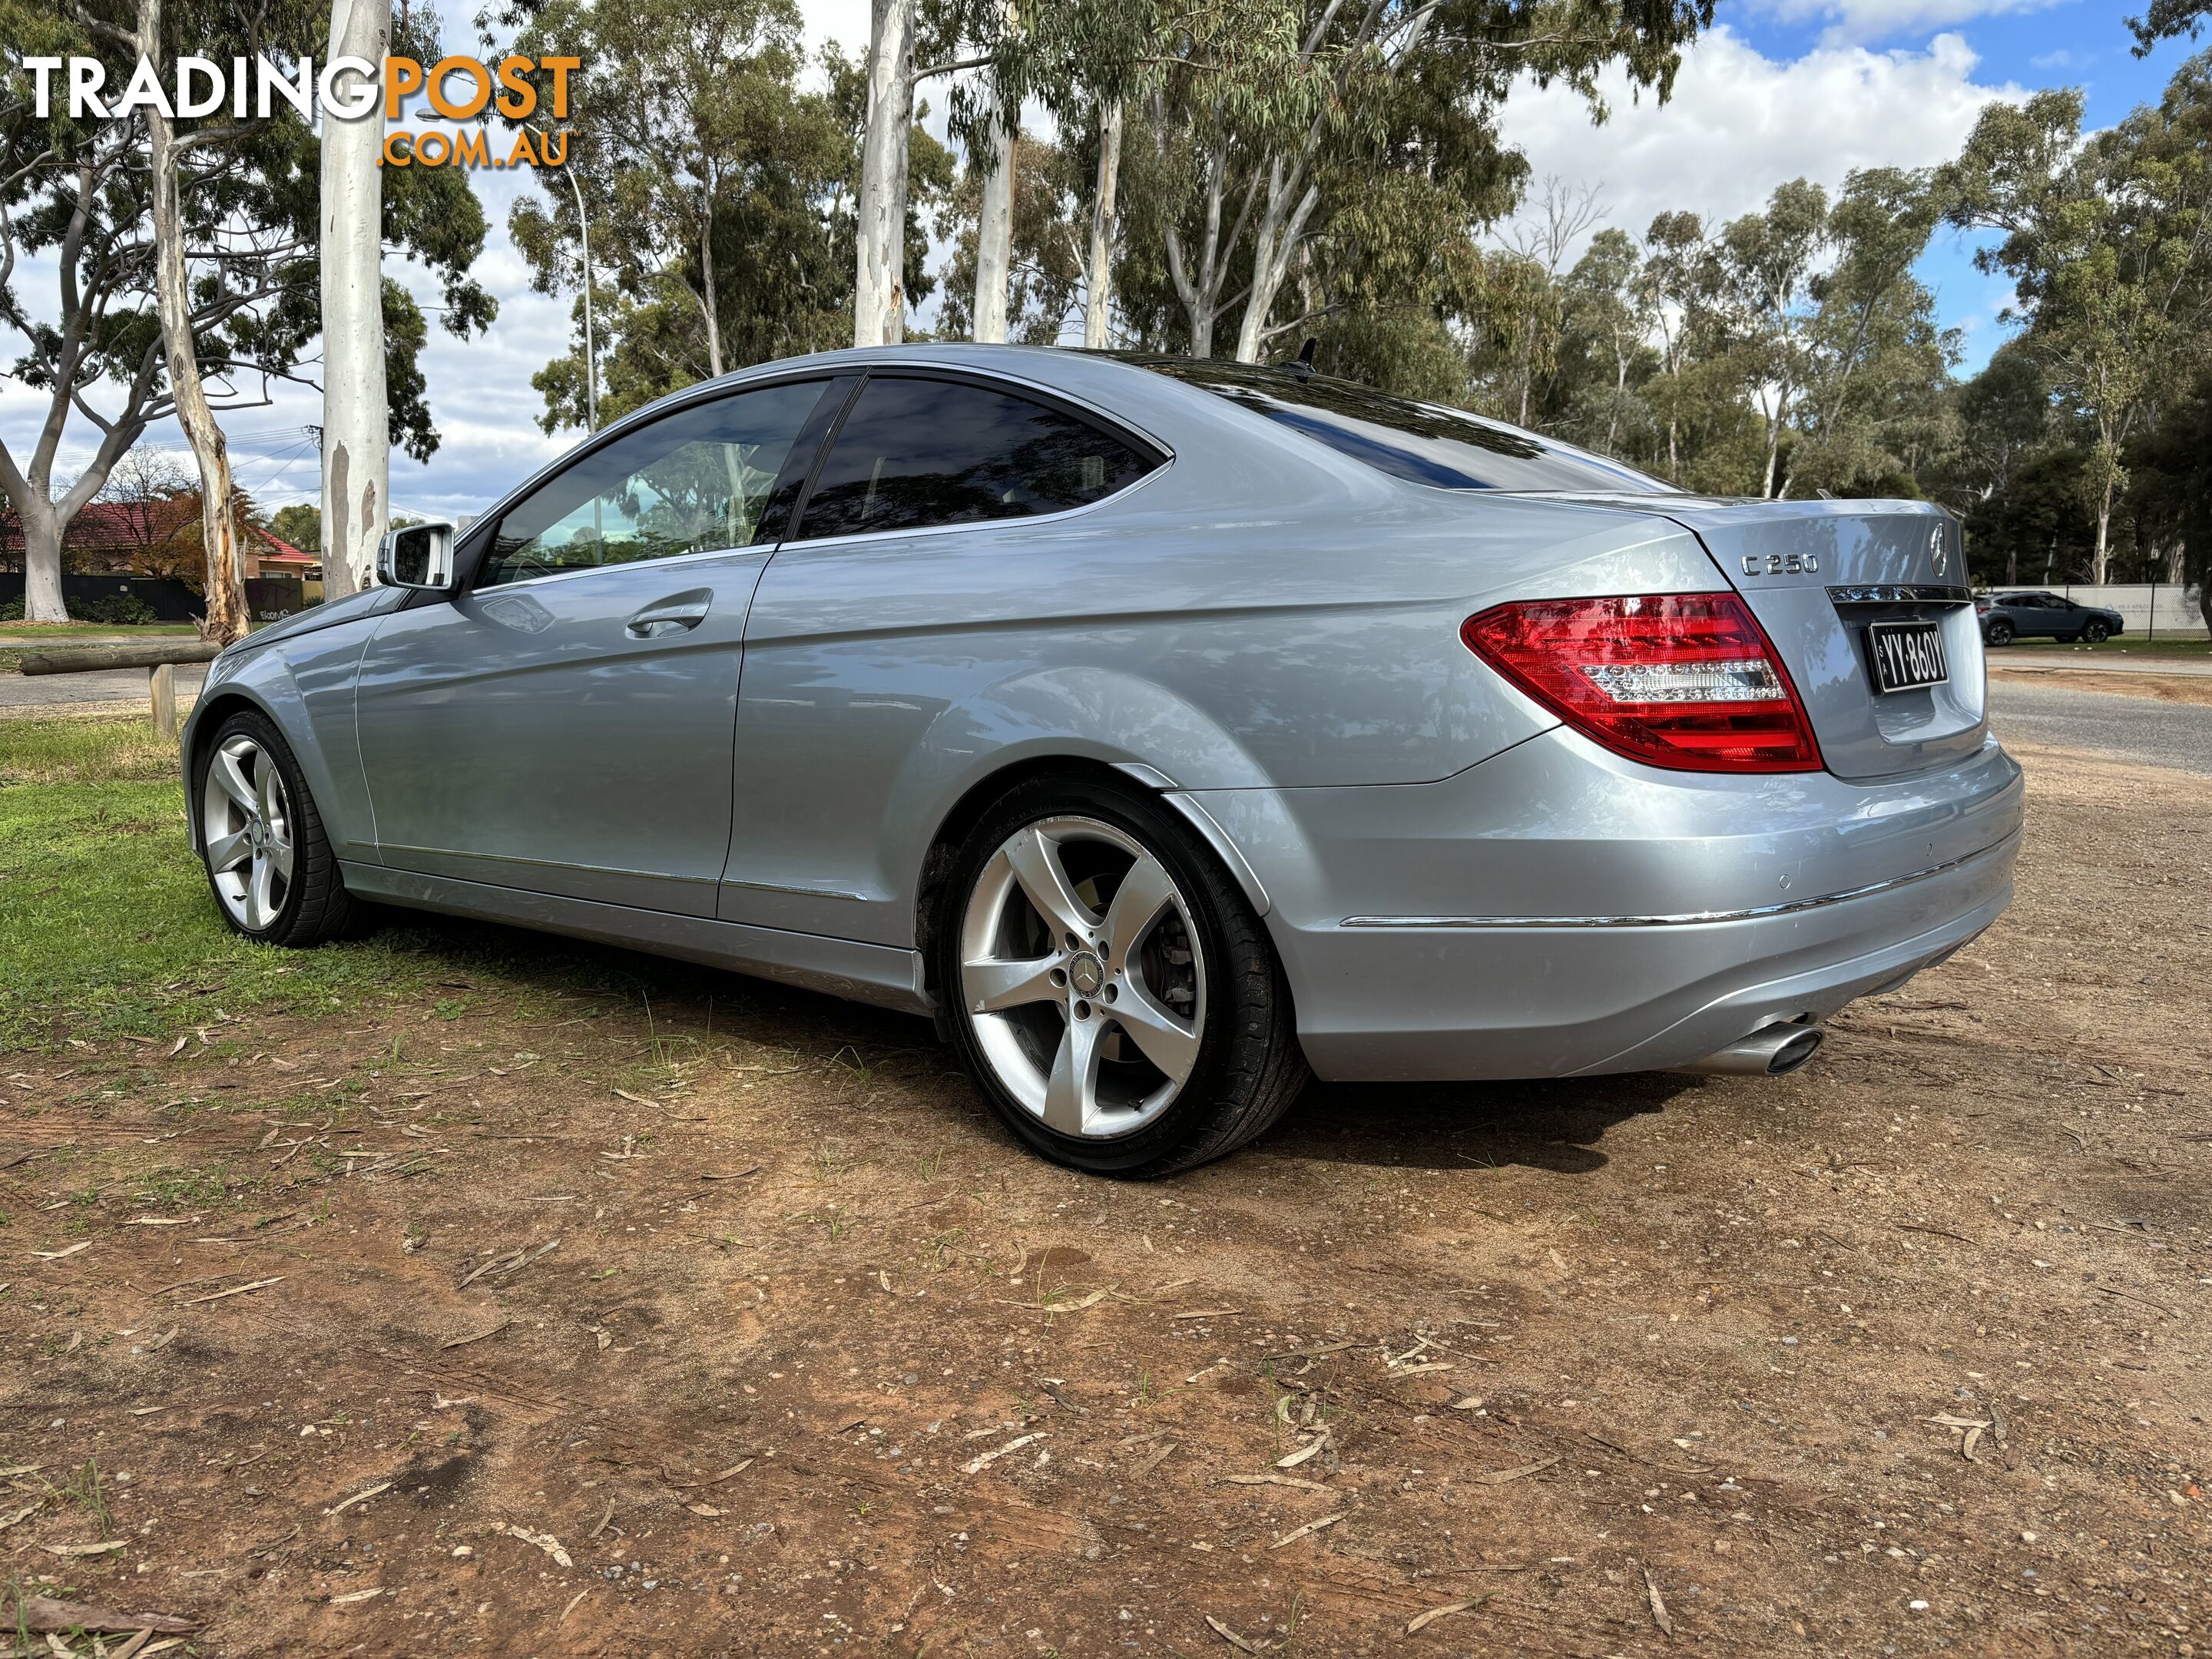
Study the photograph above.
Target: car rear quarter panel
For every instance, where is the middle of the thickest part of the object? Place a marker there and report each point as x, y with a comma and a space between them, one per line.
1259, 614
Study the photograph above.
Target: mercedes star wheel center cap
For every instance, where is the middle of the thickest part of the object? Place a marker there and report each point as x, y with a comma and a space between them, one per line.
1086, 974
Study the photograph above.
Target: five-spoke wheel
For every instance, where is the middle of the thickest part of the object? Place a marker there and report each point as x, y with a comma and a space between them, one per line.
267, 858
1082, 976
1109, 986
245, 823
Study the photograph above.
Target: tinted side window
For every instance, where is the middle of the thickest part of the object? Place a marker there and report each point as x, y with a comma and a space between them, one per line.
693, 482
915, 452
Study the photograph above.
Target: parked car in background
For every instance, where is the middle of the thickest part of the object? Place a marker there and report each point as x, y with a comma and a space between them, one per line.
1164, 728
2008, 617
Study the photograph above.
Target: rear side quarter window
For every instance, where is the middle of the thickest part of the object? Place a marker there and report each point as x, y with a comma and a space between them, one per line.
916, 451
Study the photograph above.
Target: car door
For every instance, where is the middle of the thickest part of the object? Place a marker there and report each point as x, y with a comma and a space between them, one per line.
563, 725
942, 547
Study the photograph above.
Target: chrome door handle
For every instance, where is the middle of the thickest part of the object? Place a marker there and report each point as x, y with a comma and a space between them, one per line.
673, 615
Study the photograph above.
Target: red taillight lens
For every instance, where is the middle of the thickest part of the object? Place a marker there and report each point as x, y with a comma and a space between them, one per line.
1681, 680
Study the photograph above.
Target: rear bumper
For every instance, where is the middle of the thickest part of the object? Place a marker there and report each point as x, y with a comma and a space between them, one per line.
1558, 911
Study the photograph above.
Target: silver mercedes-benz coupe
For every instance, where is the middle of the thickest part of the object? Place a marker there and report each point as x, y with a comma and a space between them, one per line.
1166, 729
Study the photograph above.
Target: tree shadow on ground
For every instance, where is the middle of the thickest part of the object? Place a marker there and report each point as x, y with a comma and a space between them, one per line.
1553, 1124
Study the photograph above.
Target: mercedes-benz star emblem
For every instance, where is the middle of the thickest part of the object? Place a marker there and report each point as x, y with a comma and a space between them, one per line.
1086, 974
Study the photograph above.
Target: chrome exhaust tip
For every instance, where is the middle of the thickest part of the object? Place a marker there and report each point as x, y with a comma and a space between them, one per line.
1771, 1051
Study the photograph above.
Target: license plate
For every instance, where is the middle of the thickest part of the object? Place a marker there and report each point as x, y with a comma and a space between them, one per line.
1906, 654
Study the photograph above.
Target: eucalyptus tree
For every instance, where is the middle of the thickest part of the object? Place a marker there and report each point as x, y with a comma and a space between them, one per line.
76, 211
721, 224
356, 469
1611, 307
2108, 241
1767, 262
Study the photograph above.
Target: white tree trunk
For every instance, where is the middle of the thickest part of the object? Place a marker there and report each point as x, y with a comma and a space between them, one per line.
879, 281
227, 618
1098, 299
42, 565
1275, 244
994, 233
357, 432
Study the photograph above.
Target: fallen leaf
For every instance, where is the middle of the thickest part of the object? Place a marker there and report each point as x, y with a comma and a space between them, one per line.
1292, 1460
977, 1464
1422, 1621
356, 1595
463, 1342
729, 1175
1499, 1477
235, 1290
738, 1468
1234, 1640
358, 1497
107, 1548
543, 1541
1659, 1615
1271, 1480
42, 1613
1310, 1527
706, 1509
56, 1255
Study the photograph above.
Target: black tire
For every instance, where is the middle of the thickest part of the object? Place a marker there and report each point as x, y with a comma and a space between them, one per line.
1998, 632
1249, 1068
316, 908
2097, 633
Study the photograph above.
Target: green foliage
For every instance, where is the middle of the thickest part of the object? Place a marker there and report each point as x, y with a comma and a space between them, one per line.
718, 194
300, 523
2108, 239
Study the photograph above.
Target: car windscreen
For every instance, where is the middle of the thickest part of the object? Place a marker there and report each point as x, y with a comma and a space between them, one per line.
1424, 443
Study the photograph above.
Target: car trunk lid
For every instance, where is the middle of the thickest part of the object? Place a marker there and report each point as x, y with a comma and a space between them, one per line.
1818, 574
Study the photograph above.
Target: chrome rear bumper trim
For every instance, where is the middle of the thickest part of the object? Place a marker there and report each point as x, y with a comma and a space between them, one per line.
1688, 919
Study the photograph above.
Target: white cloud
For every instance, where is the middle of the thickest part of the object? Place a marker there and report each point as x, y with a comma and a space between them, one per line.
1741, 123
1875, 20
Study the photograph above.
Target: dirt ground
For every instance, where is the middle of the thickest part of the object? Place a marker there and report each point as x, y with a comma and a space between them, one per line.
2165, 688
741, 1330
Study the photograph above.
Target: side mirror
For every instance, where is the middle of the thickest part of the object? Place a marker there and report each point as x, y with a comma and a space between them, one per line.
421, 556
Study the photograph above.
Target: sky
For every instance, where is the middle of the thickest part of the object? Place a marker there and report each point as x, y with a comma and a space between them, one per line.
1779, 89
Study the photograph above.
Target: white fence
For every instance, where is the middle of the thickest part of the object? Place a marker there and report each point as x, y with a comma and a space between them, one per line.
2177, 618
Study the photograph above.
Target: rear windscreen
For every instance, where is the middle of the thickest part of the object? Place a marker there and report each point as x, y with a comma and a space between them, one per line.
1422, 443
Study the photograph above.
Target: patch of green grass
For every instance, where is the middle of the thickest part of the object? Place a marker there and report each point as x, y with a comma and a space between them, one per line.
107, 927
37, 633
2128, 645
84, 752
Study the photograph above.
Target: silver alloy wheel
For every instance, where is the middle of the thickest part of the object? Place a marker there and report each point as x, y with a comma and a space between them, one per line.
246, 825
1082, 976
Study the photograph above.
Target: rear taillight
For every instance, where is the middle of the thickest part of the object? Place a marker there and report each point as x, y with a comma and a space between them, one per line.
1681, 680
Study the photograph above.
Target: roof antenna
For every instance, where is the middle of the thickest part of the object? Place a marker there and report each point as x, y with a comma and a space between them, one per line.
1303, 363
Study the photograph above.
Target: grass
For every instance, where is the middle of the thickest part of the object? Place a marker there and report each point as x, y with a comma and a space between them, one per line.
35, 634
108, 928
2128, 645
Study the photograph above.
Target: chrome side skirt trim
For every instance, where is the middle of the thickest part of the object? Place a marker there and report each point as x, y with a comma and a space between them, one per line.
1688, 918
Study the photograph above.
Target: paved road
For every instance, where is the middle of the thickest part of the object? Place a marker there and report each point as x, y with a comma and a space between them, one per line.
2101, 662
103, 685
2138, 729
